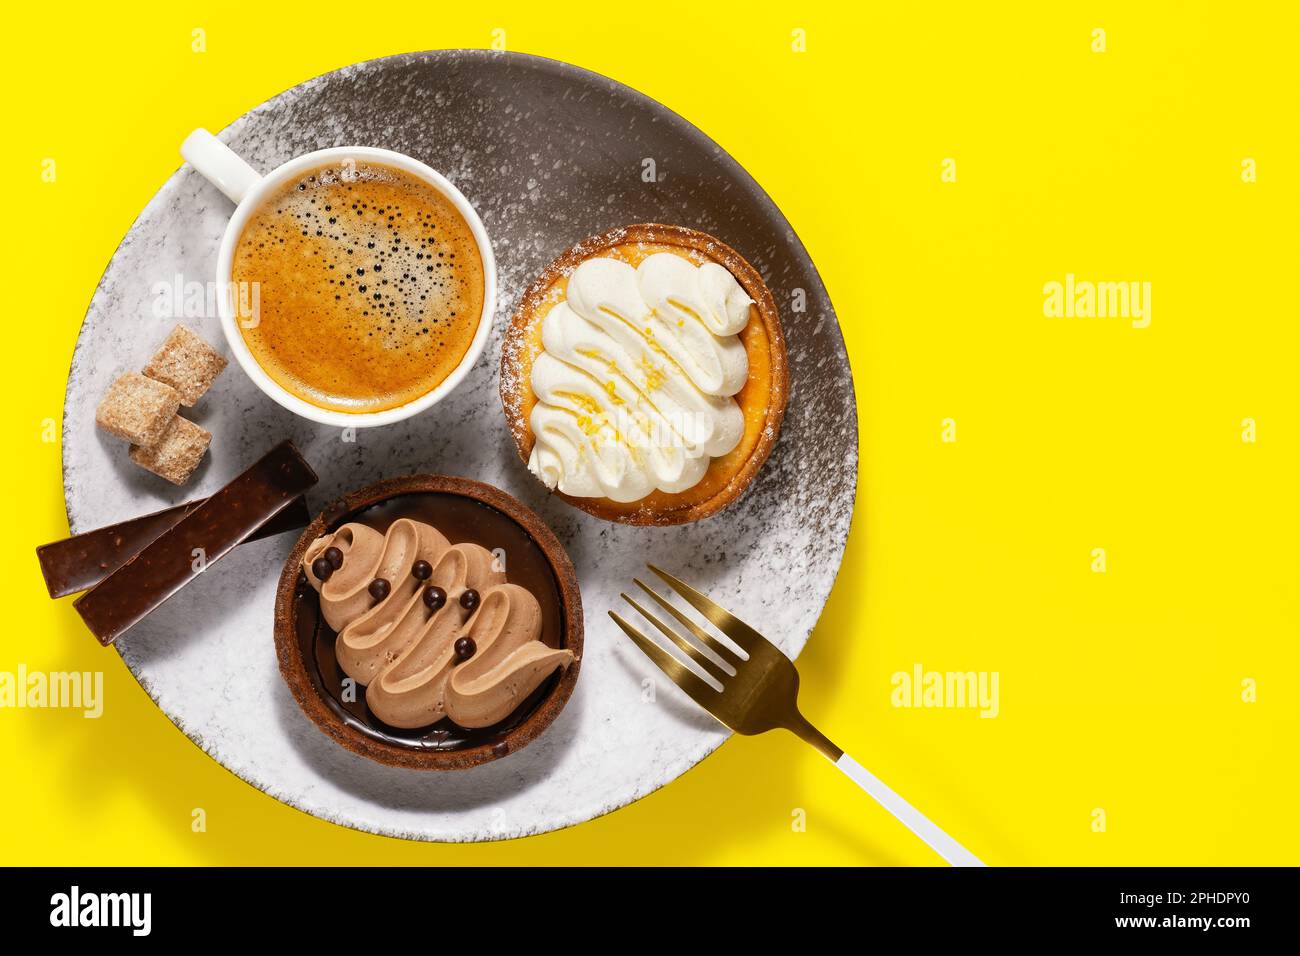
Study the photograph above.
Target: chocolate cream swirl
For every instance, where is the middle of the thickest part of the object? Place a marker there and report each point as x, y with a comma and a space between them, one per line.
403, 651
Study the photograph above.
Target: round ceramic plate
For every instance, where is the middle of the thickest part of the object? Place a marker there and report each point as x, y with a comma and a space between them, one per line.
548, 153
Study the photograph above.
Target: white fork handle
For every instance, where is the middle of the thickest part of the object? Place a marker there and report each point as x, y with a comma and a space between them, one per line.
908, 815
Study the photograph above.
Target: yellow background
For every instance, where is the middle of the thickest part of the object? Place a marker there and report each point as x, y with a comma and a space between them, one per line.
1120, 691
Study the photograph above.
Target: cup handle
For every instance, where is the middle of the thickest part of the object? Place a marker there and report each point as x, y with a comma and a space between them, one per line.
219, 164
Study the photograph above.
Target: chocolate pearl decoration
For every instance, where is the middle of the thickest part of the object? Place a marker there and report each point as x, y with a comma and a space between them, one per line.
465, 648
434, 597
469, 599
334, 556
379, 588
322, 569
421, 570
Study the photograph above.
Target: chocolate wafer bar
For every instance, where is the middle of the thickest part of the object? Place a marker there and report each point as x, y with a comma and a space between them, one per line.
195, 543
80, 562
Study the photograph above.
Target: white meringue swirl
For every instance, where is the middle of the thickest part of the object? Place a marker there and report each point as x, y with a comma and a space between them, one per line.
635, 381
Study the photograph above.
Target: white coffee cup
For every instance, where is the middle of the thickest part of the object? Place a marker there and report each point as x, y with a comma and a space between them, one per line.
221, 166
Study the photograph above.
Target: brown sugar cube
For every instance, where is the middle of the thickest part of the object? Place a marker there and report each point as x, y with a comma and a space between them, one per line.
137, 409
186, 363
177, 453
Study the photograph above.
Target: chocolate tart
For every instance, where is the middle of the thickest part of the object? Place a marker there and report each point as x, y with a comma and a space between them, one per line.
762, 400
464, 511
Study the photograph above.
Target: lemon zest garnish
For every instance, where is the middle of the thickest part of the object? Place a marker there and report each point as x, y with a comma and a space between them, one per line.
687, 309
585, 402
654, 376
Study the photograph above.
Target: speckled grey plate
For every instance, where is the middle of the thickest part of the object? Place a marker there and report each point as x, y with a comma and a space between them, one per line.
548, 153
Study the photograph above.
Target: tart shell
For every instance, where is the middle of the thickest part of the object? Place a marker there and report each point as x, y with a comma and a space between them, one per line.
308, 694
522, 344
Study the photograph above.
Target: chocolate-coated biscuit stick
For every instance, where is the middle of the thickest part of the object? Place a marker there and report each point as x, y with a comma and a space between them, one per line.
79, 562
195, 543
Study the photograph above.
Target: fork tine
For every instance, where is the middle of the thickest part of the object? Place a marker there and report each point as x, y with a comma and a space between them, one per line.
745, 636
701, 635
683, 677
686, 647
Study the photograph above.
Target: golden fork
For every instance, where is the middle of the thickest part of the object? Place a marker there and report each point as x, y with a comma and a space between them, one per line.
761, 694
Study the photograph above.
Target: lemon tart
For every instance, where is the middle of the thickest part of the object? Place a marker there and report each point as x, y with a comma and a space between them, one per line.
644, 375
